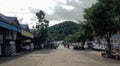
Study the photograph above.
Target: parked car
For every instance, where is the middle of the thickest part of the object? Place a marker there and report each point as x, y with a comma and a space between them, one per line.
98, 47
54, 45
78, 46
115, 48
47, 45
51, 45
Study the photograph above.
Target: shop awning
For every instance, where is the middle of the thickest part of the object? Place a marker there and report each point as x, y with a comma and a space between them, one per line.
27, 34
10, 27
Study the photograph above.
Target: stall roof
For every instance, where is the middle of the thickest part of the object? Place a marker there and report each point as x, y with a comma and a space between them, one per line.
10, 27
12, 23
2, 17
13, 20
25, 26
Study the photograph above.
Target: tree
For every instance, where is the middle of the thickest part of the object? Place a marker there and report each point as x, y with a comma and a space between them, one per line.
101, 19
84, 34
42, 26
116, 11
40, 15
60, 31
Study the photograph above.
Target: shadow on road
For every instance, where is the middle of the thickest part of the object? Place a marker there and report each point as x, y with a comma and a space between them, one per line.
44, 51
94, 55
22, 54
10, 58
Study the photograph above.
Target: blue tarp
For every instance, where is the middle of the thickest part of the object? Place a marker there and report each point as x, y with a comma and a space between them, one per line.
10, 27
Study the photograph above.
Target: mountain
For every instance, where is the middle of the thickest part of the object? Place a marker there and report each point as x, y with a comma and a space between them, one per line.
60, 31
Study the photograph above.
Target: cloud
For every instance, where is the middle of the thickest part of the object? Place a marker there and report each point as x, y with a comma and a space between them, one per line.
58, 10
53, 22
68, 7
65, 10
55, 10
70, 10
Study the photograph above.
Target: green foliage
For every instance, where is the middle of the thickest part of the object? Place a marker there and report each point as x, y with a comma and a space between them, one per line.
60, 31
116, 5
116, 11
40, 15
82, 35
100, 17
42, 26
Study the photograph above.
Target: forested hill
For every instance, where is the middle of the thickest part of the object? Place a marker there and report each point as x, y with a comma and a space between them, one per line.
60, 31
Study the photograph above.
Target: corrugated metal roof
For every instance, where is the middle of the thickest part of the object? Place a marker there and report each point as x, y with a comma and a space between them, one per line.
3, 18
7, 18
23, 26
12, 23
8, 26
10, 19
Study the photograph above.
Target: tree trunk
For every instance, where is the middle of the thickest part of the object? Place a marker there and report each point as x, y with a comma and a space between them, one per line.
119, 21
108, 46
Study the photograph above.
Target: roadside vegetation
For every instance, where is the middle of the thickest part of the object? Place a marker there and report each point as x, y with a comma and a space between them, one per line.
102, 20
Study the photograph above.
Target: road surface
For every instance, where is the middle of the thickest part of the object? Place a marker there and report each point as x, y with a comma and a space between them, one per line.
58, 57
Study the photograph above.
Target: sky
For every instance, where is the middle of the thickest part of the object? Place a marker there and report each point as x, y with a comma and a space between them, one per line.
56, 11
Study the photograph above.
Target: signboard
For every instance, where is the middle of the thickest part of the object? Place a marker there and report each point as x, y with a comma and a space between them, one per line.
27, 40
27, 34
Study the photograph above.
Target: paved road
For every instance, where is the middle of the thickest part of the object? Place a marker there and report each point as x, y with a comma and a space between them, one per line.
59, 57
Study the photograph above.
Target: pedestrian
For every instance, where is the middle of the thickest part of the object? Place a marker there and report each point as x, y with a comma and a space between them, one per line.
42, 46
86, 46
68, 46
64, 45
32, 46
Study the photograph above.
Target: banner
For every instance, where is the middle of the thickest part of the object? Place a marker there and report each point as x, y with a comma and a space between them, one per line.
27, 34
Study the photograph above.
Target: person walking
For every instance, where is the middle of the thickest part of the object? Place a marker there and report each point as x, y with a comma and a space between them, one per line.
42, 46
68, 46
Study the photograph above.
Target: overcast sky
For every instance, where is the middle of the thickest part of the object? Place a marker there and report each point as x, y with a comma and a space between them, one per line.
56, 10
